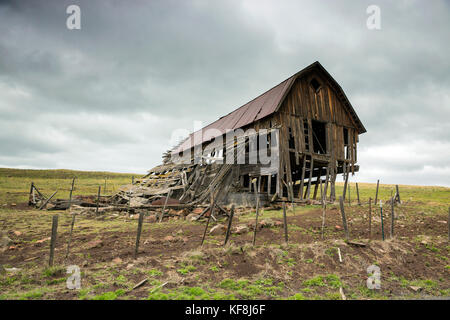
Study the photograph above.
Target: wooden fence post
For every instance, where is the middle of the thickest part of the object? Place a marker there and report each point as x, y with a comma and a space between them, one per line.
70, 235
397, 195
53, 239
31, 198
344, 219
285, 223
98, 199
257, 214
376, 193
382, 224
211, 210
370, 218
138, 235
230, 221
324, 197
70, 195
392, 217
357, 194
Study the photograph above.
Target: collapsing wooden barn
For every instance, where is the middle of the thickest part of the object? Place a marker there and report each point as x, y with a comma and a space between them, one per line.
316, 130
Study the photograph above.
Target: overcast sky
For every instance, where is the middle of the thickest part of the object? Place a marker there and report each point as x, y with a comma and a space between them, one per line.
109, 96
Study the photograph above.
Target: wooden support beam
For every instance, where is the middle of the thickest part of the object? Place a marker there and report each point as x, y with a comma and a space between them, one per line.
316, 187
345, 183
308, 190
302, 178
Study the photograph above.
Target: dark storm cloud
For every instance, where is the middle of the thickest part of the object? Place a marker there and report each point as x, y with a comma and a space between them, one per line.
138, 70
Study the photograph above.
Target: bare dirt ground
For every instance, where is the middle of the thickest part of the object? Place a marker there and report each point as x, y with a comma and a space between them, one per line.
413, 264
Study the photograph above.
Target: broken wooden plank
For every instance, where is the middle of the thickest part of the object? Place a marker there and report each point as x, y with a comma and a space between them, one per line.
140, 284
46, 201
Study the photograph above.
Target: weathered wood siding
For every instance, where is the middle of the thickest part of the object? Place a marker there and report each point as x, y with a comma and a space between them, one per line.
303, 103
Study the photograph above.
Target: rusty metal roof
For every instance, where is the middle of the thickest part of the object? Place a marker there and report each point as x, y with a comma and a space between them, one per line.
260, 107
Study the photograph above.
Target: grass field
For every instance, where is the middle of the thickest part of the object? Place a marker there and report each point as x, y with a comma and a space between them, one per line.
414, 264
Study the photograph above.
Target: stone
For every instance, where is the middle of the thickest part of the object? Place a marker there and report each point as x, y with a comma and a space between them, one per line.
151, 219
117, 260
278, 224
197, 211
192, 217
338, 227
39, 242
251, 225
178, 233
218, 229
240, 229
415, 288
95, 244
5, 241
266, 223
169, 239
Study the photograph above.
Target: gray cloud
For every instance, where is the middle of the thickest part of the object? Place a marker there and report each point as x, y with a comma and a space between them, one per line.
109, 96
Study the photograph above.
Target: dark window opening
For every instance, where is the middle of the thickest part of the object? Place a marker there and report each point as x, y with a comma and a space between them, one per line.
291, 139
346, 148
315, 84
273, 183
319, 137
246, 181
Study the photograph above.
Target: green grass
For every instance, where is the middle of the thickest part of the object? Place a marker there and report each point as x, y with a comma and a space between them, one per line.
154, 273
186, 270
100, 283
330, 280
15, 183
110, 295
